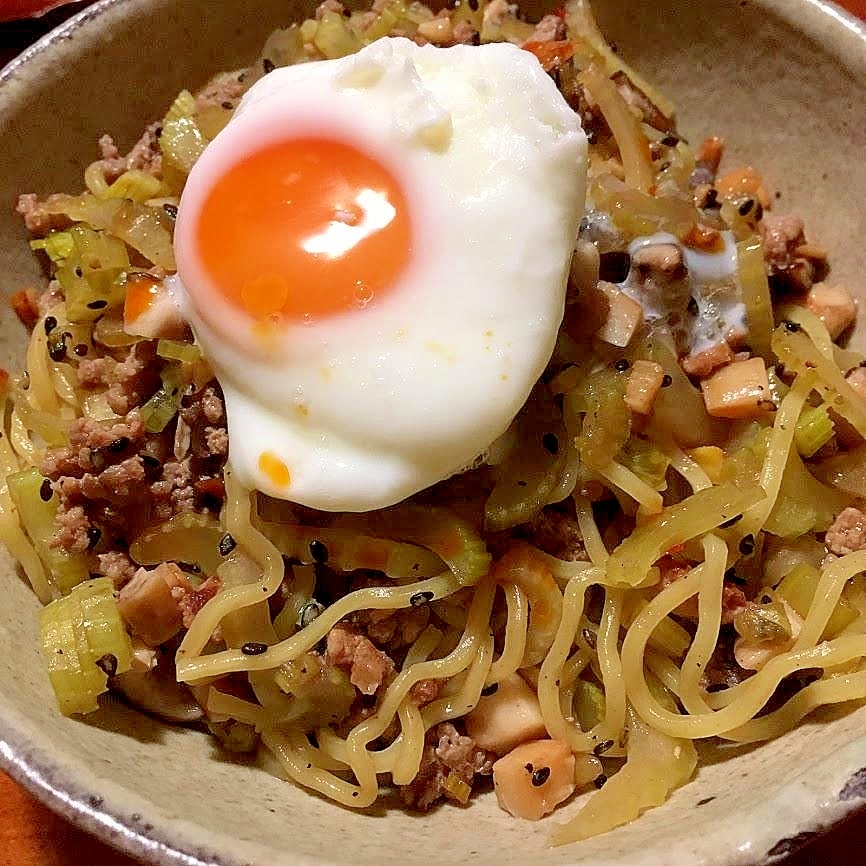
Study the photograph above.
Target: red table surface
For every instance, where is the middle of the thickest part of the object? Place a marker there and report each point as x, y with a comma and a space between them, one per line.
32, 835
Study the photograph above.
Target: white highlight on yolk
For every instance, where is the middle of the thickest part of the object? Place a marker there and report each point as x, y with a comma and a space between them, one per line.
346, 232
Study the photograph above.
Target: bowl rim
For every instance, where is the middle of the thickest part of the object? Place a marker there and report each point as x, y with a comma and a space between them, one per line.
57, 785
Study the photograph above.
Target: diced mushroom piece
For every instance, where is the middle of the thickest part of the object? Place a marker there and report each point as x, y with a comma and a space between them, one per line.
624, 317
533, 779
739, 390
706, 361
436, 30
508, 717
833, 305
148, 605
644, 383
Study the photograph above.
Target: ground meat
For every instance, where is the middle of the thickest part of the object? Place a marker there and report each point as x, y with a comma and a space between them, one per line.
447, 752
221, 90
37, 220
847, 533
393, 630
367, 666
328, 6
127, 383
706, 361
72, 530
557, 533
792, 263
191, 601
145, 155
551, 28
425, 691
116, 565
463, 33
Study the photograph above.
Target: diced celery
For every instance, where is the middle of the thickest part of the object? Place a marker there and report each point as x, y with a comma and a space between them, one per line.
136, 185
333, 36
177, 350
37, 516
814, 430
648, 463
91, 274
589, 704
84, 640
57, 245
389, 16
763, 623
183, 106
607, 423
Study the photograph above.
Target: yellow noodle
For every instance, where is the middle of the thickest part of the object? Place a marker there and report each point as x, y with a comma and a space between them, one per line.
833, 579
232, 707
592, 539
682, 463
624, 479
711, 586
830, 690
610, 666
514, 642
554, 663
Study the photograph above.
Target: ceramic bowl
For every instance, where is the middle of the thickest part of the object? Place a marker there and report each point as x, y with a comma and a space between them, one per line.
784, 81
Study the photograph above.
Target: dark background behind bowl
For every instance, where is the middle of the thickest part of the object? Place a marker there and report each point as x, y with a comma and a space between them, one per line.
30, 835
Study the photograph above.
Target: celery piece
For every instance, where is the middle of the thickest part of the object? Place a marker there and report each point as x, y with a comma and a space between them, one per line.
607, 423
647, 462
92, 274
84, 641
763, 623
136, 185
333, 36
390, 14
183, 106
163, 405
57, 245
814, 430
589, 704
798, 589
27, 489
321, 694
182, 143
178, 350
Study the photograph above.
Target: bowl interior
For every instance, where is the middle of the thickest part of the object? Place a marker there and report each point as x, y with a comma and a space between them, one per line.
781, 80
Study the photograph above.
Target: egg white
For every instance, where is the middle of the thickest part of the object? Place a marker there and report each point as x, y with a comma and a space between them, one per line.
367, 407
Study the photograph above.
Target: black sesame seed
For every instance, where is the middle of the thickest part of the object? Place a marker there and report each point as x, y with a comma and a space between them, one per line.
550, 442
170, 210
621, 365
50, 324
529, 768
421, 598
492, 689
97, 305
667, 380
746, 206
791, 327
473, 5
540, 776
107, 664
319, 551
671, 140
228, 106
78, 272
57, 348
600, 781
747, 544
731, 522
227, 544
309, 612
253, 648
94, 533
46, 491
613, 267
118, 445
602, 747
521, 483
759, 212
80, 349
711, 202
268, 65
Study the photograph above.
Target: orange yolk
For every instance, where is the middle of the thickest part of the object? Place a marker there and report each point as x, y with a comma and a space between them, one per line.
305, 228
141, 292
274, 469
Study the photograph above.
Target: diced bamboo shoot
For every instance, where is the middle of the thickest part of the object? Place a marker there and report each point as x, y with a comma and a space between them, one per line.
624, 317
508, 717
533, 779
739, 390
644, 383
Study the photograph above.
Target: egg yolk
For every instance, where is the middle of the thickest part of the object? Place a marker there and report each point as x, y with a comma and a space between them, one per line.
305, 228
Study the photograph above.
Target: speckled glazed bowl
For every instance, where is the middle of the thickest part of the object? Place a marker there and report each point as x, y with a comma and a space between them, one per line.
785, 82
